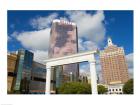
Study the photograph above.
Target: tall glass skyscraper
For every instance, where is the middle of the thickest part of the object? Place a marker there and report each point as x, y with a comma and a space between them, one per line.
63, 41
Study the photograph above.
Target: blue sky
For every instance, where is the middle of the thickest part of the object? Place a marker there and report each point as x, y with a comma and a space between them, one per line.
119, 26
30, 30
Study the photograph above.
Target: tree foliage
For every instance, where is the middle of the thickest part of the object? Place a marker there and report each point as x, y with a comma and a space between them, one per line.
102, 89
74, 88
128, 87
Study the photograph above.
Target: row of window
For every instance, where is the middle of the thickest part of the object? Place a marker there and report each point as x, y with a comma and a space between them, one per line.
115, 89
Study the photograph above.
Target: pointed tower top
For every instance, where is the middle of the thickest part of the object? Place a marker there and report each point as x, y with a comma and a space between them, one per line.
110, 42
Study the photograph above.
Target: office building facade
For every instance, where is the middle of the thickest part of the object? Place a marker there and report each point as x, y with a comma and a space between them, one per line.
113, 64
38, 78
25, 60
63, 42
25, 76
12, 60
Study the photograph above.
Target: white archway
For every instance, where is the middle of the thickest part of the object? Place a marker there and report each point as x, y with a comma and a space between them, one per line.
75, 58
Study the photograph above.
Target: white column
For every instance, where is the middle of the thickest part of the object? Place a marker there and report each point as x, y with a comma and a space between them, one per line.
48, 79
93, 77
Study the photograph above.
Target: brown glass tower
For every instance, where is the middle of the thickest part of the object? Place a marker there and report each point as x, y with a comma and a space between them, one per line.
113, 63
63, 42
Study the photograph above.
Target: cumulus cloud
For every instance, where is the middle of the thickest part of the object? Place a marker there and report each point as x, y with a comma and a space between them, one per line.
86, 45
90, 26
34, 40
40, 56
14, 34
37, 40
43, 22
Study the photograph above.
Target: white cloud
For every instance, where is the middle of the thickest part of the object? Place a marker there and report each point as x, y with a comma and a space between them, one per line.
89, 45
37, 41
34, 40
14, 34
86, 45
43, 22
89, 25
40, 56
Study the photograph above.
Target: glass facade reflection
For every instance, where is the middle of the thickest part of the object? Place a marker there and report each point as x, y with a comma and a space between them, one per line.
38, 78
63, 41
25, 60
25, 76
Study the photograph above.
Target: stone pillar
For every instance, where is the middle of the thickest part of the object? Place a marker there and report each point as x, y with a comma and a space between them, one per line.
93, 77
48, 79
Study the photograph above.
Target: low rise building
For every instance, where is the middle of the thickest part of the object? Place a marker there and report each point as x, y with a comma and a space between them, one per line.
115, 89
38, 78
12, 60
25, 76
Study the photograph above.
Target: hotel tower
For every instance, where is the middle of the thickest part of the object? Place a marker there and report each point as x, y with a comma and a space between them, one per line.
113, 64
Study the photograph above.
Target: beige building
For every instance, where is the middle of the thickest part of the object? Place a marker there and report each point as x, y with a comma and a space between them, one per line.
113, 64
115, 89
12, 59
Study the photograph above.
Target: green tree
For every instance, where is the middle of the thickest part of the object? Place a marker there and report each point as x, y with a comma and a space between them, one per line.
74, 88
102, 89
128, 87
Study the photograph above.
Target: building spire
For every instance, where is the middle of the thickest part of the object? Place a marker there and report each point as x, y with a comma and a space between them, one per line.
109, 42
